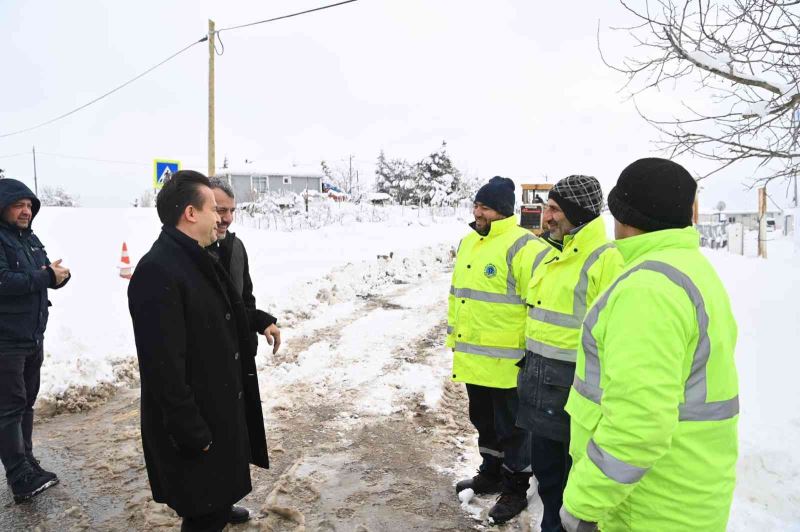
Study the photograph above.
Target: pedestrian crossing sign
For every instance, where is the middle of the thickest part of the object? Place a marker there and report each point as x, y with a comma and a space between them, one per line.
163, 170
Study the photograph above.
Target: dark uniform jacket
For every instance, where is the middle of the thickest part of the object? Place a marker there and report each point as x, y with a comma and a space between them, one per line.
198, 382
24, 277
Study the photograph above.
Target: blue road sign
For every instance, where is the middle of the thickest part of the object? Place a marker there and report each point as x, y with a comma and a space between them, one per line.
162, 170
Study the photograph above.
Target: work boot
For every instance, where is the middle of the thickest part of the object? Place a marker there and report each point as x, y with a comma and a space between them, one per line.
480, 483
239, 515
508, 505
38, 468
30, 484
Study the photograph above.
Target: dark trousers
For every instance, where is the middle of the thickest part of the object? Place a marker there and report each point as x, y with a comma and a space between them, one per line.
19, 386
504, 447
213, 522
551, 464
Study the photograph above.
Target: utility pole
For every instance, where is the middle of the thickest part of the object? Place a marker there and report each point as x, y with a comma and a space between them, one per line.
211, 146
35, 179
762, 222
350, 175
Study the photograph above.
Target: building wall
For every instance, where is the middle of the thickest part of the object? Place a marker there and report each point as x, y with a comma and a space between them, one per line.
243, 184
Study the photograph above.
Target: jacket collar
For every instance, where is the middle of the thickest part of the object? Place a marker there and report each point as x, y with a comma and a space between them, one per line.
499, 227
206, 261
587, 234
634, 247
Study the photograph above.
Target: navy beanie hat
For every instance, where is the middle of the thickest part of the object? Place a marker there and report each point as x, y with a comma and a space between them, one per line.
653, 194
497, 194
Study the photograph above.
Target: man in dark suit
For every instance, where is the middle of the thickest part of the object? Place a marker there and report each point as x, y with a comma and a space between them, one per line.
201, 413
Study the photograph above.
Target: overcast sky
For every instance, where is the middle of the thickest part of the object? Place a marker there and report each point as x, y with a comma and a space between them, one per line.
516, 88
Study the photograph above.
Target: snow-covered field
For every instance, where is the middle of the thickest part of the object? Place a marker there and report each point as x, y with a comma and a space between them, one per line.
308, 277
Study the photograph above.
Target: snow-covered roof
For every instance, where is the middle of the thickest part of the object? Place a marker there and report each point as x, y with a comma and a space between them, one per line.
378, 196
731, 212
293, 172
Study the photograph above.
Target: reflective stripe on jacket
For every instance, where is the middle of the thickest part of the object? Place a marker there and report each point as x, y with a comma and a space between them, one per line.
486, 311
654, 406
565, 286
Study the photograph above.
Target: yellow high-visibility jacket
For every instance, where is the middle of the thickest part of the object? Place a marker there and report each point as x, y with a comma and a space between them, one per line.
654, 406
486, 310
564, 287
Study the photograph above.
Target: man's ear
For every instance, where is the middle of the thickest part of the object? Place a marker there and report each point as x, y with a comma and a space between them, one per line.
190, 213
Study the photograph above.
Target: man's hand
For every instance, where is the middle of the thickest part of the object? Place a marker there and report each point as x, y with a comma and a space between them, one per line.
61, 272
273, 335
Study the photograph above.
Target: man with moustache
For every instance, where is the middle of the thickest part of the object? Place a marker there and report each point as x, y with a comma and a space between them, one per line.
233, 256
25, 275
191, 327
571, 277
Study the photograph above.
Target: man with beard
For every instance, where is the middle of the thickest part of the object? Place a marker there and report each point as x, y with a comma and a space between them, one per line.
571, 278
231, 253
486, 330
25, 275
191, 328
233, 256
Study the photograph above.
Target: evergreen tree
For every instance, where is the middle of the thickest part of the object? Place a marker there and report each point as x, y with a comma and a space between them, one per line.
437, 179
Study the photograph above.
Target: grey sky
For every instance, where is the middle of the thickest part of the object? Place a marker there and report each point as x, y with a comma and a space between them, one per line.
516, 88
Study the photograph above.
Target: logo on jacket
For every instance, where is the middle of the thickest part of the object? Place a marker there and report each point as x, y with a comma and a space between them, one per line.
490, 270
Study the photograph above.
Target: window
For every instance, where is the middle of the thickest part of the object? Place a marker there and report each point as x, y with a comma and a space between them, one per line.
287, 180
260, 183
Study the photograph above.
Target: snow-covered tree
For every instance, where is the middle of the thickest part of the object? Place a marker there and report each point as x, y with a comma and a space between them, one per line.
57, 197
437, 179
395, 177
382, 176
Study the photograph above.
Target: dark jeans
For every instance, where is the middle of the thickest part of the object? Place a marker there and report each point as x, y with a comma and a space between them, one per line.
551, 464
206, 523
504, 447
19, 386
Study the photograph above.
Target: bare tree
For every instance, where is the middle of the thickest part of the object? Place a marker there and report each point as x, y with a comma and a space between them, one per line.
147, 199
745, 55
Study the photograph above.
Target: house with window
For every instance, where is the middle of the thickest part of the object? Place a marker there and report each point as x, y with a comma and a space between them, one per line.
247, 184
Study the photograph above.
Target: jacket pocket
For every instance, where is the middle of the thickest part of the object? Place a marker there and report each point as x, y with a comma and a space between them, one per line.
557, 377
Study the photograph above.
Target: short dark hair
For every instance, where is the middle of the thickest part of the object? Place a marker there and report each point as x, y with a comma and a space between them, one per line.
222, 184
180, 191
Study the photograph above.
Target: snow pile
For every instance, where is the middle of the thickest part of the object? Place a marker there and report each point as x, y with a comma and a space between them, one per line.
90, 332
765, 296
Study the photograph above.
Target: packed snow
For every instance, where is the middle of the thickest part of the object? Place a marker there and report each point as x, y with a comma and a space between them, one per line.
309, 279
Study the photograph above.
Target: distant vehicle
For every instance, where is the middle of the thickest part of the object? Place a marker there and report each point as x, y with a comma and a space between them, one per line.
533, 202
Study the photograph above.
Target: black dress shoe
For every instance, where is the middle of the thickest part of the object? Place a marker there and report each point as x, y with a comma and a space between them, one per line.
239, 514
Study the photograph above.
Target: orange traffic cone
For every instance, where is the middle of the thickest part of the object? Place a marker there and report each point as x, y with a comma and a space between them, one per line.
125, 263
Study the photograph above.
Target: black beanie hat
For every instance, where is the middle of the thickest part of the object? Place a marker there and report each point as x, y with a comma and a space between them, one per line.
497, 194
580, 197
653, 194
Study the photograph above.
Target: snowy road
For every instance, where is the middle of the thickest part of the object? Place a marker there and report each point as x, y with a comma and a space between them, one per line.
363, 424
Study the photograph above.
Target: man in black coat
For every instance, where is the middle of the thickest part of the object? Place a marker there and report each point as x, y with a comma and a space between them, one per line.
201, 410
25, 275
233, 256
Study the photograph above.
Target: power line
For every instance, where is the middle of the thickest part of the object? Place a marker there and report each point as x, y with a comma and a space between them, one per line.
112, 91
285, 16
173, 56
91, 159
13, 155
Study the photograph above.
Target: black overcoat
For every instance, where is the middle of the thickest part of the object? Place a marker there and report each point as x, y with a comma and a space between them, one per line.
190, 327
